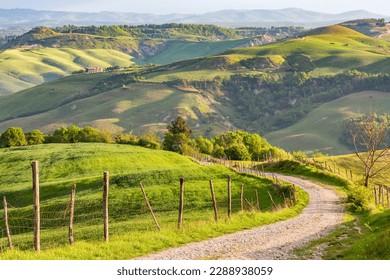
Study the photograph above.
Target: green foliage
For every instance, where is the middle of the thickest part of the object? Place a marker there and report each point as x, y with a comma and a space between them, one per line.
177, 137
12, 137
35, 137
179, 125
360, 198
237, 152
204, 145
241, 145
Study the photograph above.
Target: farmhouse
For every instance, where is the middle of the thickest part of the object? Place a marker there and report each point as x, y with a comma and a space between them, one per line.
94, 69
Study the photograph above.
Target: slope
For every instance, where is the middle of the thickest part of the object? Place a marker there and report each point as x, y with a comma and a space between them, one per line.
53, 53
26, 67
137, 107
320, 129
130, 225
258, 89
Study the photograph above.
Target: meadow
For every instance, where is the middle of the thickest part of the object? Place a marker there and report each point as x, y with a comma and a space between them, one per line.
132, 231
320, 129
47, 64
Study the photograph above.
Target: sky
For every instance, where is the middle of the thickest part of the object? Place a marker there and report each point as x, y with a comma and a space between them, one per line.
199, 6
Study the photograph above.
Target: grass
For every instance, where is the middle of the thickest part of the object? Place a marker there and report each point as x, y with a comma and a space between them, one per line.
46, 64
132, 232
132, 108
177, 51
320, 129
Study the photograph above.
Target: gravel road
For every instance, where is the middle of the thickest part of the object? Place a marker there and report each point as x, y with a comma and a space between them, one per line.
272, 242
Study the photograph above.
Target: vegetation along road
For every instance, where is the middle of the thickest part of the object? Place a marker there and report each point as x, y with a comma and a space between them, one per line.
274, 241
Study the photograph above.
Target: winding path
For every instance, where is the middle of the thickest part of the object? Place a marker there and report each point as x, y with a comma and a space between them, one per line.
273, 242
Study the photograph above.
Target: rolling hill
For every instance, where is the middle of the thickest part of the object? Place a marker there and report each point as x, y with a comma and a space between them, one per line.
54, 53
258, 88
320, 129
62, 165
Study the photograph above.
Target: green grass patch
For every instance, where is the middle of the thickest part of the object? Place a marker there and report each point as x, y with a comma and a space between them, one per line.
320, 129
132, 232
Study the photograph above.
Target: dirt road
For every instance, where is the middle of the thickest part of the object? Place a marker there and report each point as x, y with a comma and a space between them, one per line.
275, 241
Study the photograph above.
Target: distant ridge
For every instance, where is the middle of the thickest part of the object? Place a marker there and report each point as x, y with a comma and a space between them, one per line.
289, 16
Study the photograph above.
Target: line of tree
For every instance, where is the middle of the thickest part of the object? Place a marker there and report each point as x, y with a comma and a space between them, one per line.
15, 136
235, 145
172, 30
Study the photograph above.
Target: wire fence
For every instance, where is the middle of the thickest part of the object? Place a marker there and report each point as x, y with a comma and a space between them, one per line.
83, 218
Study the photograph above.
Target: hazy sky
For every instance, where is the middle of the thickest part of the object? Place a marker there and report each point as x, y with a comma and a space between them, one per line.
197, 6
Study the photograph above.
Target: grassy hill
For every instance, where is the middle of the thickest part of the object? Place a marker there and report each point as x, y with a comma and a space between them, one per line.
320, 129
131, 227
138, 107
259, 89
56, 53
23, 68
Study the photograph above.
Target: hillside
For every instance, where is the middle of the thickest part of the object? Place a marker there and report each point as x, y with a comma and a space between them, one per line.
62, 165
58, 52
321, 129
258, 89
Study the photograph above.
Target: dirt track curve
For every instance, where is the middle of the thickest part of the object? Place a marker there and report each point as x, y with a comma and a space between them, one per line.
272, 242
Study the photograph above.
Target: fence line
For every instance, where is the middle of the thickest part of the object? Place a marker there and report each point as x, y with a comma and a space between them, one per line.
43, 226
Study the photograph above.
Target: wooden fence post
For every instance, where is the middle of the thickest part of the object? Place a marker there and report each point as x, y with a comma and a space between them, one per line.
181, 203
257, 201
229, 196
106, 186
272, 200
36, 206
149, 206
242, 198
375, 196
214, 201
71, 216
387, 194
383, 196
7, 230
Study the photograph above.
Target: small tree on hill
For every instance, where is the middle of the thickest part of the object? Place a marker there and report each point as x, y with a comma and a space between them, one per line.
35, 137
178, 135
370, 136
13, 136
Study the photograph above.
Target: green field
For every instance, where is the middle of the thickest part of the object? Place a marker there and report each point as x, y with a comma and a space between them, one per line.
137, 107
131, 227
320, 129
23, 68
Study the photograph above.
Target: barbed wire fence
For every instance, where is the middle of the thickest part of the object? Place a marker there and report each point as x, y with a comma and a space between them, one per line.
66, 220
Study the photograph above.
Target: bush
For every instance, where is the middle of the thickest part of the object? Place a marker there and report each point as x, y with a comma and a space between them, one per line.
13, 136
359, 198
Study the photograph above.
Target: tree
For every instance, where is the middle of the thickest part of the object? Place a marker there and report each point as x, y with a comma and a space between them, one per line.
370, 135
179, 125
35, 137
178, 135
13, 136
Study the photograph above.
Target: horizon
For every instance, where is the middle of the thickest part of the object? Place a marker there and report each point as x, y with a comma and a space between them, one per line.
200, 7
